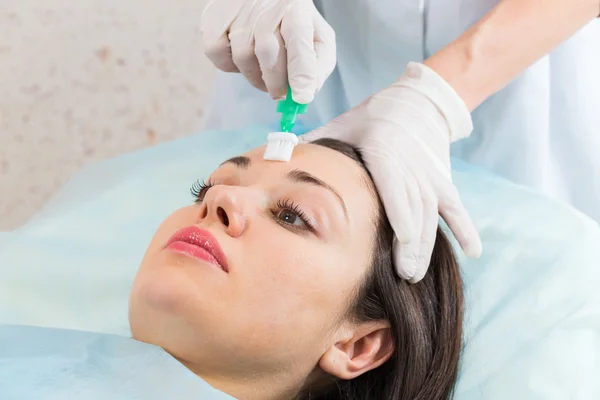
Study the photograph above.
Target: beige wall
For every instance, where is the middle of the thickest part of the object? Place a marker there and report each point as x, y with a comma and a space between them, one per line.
83, 80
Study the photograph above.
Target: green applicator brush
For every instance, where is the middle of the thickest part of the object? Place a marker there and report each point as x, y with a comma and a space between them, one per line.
280, 145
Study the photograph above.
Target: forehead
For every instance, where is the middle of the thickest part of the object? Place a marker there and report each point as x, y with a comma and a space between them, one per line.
342, 173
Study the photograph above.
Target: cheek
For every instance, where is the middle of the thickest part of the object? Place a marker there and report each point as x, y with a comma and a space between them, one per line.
301, 281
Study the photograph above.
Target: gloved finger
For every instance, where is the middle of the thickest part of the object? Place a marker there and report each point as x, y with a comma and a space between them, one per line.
219, 53
325, 50
393, 185
244, 58
215, 39
407, 255
298, 33
459, 222
272, 59
428, 234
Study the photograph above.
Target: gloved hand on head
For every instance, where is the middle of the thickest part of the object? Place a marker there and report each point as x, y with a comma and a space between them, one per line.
404, 134
272, 43
404, 131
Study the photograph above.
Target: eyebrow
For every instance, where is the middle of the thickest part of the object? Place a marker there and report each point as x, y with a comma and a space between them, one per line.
295, 175
303, 176
239, 161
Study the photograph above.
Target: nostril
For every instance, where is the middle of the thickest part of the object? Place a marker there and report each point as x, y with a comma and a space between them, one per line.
223, 216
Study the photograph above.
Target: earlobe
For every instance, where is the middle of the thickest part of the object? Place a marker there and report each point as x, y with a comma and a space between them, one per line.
369, 347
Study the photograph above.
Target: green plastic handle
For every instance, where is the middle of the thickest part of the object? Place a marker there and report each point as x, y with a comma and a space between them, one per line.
289, 110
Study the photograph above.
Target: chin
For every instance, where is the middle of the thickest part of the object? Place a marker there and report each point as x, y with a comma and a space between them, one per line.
159, 298
152, 321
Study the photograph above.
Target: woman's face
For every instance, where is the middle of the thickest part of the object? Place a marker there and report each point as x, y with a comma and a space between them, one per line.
297, 239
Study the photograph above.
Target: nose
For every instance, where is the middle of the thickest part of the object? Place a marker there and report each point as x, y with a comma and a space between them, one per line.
231, 207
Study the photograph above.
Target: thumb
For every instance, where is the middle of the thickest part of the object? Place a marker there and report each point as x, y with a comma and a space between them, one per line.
316, 134
336, 129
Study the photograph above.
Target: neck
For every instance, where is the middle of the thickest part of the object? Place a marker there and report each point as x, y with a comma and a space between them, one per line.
251, 386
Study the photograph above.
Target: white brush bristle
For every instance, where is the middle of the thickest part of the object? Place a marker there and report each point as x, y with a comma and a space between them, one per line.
280, 146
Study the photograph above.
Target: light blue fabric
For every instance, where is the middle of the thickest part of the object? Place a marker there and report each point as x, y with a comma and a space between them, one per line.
532, 329
55, 364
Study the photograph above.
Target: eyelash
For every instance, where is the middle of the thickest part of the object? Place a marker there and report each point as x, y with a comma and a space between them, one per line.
199, 189
286, 204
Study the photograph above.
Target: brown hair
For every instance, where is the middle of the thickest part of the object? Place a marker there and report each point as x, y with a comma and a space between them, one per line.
425, 319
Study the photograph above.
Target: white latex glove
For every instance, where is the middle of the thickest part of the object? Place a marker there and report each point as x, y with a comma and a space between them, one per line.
404, 134
271, 42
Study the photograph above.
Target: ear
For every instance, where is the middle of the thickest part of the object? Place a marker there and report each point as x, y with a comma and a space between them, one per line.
362, 348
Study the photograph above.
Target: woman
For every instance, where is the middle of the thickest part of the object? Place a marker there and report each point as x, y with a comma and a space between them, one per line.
277, 283
540, 131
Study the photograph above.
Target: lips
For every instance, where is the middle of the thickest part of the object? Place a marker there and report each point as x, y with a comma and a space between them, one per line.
200, 244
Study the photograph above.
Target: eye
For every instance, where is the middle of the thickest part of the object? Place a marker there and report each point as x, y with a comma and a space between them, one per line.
199, 189
290, 215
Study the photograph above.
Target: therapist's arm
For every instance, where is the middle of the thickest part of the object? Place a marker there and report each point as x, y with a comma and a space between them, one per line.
514, 35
